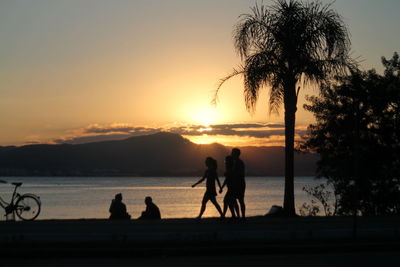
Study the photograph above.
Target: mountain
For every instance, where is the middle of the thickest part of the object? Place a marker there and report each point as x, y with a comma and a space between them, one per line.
160, 154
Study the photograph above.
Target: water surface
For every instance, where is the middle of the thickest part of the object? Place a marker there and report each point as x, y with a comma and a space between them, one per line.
90, 197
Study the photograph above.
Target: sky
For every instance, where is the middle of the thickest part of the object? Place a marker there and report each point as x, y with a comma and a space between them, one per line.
86, 70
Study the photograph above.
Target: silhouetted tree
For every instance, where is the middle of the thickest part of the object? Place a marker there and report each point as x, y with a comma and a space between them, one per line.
357, 134
284, 47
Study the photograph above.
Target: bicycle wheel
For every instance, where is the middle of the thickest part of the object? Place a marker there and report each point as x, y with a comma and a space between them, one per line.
27, 208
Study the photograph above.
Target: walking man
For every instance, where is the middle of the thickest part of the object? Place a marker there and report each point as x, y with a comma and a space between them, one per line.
239, 182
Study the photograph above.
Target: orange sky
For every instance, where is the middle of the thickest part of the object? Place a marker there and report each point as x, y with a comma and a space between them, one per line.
68, 65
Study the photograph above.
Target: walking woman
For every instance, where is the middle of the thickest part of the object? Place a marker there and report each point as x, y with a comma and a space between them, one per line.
211, 193
229, 199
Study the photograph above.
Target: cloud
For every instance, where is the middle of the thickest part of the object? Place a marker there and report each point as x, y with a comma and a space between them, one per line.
90, 139
116, 128
258, 130
247, 125
253, 133
97, 132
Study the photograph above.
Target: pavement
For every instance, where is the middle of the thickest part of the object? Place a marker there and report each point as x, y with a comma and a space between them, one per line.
334, 259
177, 238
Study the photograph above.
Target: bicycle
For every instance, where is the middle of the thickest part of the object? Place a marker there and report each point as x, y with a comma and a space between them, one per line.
26, 206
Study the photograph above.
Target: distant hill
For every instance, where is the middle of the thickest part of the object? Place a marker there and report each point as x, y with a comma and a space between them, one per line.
161, 154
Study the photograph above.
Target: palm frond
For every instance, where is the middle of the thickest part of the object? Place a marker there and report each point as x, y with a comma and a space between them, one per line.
235, 72
290, 40
261, 70
275, 98
252, 32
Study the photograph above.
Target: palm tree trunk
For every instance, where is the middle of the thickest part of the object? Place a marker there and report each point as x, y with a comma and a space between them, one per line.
290, 119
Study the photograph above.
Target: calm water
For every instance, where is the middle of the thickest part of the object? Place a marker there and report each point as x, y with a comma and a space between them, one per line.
90, 197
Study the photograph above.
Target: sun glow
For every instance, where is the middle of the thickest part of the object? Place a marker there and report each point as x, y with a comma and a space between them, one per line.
204, 116
205, 130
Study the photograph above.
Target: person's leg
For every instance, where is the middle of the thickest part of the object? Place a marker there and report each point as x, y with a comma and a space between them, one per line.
229, 200
214, 201
232, 208
242, 207
226, 204
203, 206
235, 196
236, 206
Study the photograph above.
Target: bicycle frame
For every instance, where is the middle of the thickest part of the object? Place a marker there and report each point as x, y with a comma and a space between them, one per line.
15, 207
9, 207
3, 203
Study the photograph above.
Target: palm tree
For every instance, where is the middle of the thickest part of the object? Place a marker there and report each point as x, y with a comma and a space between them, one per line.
283, 47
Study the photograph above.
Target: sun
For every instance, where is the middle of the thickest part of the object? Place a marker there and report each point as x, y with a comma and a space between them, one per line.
204, 116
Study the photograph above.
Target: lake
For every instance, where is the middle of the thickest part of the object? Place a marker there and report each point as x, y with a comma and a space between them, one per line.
90, 197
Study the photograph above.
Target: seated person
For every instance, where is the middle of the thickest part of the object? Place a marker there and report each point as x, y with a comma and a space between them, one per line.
118, 209
152, 212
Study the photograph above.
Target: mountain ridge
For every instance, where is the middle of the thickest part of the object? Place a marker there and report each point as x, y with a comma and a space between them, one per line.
159, 154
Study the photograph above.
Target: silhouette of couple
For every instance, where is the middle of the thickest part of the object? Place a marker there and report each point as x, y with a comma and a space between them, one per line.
234, 181
118, 210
